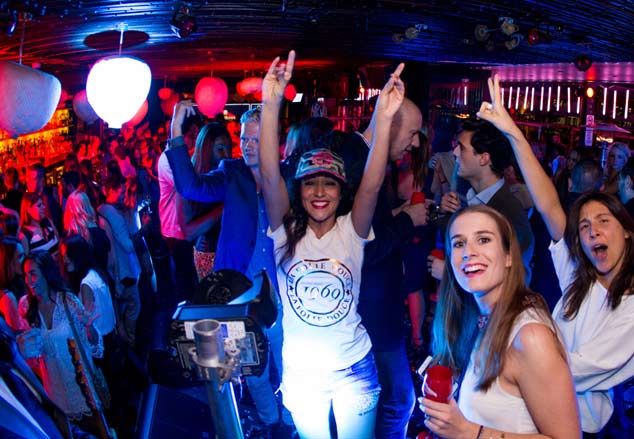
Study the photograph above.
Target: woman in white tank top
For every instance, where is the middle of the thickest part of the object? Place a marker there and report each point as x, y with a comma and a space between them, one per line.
499, 339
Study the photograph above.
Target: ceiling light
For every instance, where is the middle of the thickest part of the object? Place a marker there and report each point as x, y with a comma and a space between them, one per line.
508, 27
183, 22
513, 42
8, 21
116, 88
412, 32
582, 62
481, 32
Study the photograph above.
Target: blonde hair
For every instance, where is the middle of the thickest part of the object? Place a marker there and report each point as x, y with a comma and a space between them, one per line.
79, 215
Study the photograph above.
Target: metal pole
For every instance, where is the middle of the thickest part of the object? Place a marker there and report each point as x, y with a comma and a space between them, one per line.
216, 369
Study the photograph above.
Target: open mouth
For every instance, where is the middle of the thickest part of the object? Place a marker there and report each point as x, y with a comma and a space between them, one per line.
600, 251
474, 269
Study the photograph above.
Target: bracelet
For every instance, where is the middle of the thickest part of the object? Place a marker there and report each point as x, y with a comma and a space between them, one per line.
480, 430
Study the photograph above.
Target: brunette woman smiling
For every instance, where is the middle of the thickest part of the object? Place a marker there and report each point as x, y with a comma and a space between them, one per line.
497, 336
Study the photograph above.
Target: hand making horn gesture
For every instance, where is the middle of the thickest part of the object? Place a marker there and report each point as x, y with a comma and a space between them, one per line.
495, 112
392, 95
277, 78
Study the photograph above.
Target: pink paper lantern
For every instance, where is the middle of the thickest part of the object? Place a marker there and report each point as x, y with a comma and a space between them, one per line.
139, 116
290, 92
168, 104
28, 98
249, 85
82, 108
164, 93
211, 96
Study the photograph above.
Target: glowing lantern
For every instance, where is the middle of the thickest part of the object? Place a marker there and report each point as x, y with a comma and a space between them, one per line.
63, 98
258, 95
249, 85
290, 92
168, 104
211, 96
82, 108
139, 116
28, 98
240, 89
165, 93
116, 88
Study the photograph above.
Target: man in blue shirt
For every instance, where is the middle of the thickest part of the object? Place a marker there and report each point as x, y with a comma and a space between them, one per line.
242, 244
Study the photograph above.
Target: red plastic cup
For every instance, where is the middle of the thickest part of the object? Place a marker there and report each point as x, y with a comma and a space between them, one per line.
438, 253
440, 380
417, 198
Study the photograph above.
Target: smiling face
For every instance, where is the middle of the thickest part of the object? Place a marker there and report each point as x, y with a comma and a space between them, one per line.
320, 196
603, 240
478, 259
34, 279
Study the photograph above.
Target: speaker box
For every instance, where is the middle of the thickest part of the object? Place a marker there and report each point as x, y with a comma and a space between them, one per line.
169, 413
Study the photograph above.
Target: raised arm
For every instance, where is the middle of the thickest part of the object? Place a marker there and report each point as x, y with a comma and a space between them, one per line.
273, 186
538, 183
389, 102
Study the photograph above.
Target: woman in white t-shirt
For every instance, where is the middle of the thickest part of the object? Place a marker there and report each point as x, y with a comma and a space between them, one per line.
593, 264
327, 359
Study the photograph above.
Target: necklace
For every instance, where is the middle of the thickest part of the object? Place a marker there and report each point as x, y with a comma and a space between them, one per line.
483, 319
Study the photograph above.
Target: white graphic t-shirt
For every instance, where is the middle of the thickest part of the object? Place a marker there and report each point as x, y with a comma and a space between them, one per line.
319, 288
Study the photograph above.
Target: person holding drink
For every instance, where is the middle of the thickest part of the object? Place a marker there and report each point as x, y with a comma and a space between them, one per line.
50, 315
592, 252
498, 339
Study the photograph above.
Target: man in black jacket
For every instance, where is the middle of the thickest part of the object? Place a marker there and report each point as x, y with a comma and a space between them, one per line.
482, 153
381, 299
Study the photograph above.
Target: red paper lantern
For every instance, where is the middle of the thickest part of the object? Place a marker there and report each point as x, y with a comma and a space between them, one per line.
168, 104
290, 92
211, 96
139, 116
240, 89
63, 98
164, 93
82, 108
28, 98
258, 95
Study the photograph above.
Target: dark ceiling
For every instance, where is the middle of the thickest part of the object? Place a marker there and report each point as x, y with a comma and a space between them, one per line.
234, 36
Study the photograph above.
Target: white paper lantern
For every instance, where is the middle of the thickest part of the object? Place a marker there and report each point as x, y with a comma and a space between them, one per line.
116, 87
28, 98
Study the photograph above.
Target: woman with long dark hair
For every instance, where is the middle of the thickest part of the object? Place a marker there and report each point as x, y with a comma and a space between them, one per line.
89, 282
11, 257
51, 314
592, 253
327, 360
213, 144
498, 336
39, 229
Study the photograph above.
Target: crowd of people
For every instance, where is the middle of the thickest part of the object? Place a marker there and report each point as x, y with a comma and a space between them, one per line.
355, 262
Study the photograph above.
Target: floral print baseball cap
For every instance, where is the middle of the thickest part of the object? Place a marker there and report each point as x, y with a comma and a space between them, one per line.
321, 160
